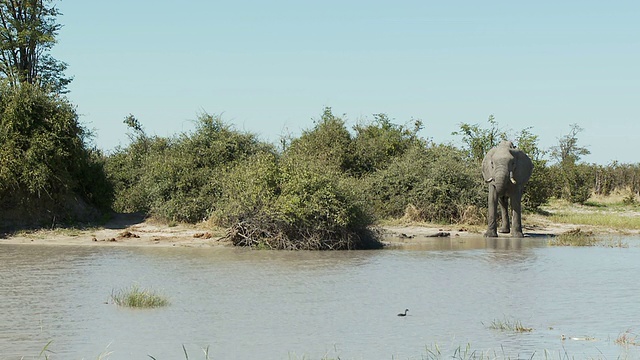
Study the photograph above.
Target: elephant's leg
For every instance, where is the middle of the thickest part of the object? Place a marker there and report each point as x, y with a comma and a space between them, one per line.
491, 217
504, 212
516, 230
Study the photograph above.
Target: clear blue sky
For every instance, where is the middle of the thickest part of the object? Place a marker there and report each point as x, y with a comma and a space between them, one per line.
270, 67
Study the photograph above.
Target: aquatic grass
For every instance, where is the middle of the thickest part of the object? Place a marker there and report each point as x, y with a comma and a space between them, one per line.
137, 297
186, 354
507, 324
575, 237
460, 353
433, 352
614, 243
46, 351
467, 353
326, 356
627, 338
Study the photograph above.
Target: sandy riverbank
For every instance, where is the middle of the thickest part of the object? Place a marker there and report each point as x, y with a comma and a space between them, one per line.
135, 230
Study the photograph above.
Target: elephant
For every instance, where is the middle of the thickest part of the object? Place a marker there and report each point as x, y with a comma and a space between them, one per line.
506, 170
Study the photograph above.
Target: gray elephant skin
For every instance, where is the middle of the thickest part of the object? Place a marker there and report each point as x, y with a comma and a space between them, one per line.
506, 170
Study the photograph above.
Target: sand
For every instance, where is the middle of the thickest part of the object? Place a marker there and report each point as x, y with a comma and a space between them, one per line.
135, 230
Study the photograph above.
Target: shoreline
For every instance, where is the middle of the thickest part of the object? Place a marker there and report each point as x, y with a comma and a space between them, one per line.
135, 230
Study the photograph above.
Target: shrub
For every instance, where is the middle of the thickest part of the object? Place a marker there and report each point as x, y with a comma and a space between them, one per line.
248, 189
379, 143
438, 181
178, 179
328, 143
573, 182
44, 159
539, 188
290, 203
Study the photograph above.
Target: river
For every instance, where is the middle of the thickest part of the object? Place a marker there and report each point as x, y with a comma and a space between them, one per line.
248, 304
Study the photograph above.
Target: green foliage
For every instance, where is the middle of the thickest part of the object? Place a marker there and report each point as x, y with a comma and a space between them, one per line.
379, 143
478, 140
137, 297
328, 143
291, 203
539, 188
299, 199
44, 158
28, 30
567, 151
178, 179
372, 147
438, 180
249, 189
616, 176
572, 182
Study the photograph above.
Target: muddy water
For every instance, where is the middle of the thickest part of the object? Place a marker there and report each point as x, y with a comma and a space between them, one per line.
293, 305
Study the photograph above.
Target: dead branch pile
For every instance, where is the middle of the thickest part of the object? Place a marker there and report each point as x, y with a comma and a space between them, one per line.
278, 235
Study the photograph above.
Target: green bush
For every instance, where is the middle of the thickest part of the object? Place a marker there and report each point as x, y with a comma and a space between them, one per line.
379, 143
248, 190
47, 171
539, 188
372, 147
439, 181
573, 182
328, 143
178, 179
290, 203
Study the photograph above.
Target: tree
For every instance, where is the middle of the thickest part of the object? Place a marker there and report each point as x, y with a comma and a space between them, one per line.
573, 179
478, 140
28, 31
538, 189
47, 171
567, 150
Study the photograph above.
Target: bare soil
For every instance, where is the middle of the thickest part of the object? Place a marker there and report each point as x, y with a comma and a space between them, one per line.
135, 230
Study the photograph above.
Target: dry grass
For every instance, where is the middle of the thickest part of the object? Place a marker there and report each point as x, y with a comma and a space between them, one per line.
507, 324
628, 338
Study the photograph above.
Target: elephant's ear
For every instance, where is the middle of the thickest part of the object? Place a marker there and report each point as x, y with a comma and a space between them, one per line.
524, 166
487, 172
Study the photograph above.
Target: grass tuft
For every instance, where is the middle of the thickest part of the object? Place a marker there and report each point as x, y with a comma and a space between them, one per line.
509, 325
575, 237
136, 297
627, 338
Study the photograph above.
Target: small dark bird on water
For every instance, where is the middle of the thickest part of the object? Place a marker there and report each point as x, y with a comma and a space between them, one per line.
405, 313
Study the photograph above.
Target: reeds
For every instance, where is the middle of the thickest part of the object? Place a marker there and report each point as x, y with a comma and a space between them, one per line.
627, 338
137, 297
507, 324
